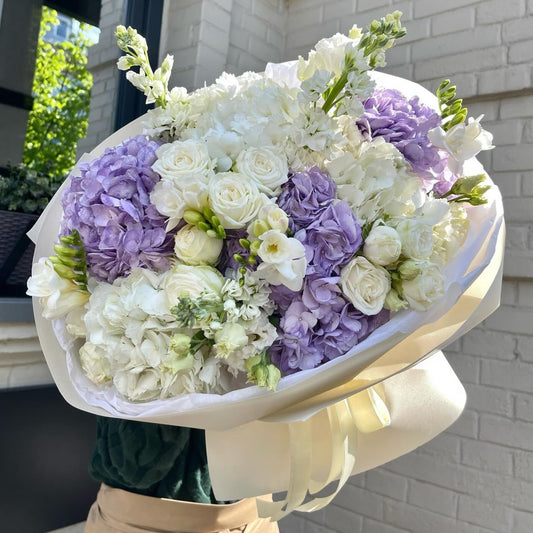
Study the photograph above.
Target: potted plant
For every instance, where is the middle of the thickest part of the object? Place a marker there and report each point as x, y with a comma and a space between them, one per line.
24, 193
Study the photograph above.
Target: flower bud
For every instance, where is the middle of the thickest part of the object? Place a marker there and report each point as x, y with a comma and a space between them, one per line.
409, 269
193, 217
393, 302
180, 344
259, 227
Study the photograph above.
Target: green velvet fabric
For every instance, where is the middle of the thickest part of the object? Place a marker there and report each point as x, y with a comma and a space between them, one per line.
152, 459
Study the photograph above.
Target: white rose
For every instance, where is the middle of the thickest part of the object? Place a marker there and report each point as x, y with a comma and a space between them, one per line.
171, 198
265, 167
195, 281
231, 337
425, 289
95, 364
416, 237
462, 141
382, 246
182, 158
365, 285
194, 247
284, 261
234, 199
57, 295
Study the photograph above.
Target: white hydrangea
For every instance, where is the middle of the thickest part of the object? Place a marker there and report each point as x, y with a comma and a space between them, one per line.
129, 329
376, 182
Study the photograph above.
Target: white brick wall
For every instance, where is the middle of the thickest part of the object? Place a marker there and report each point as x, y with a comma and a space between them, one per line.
102, 65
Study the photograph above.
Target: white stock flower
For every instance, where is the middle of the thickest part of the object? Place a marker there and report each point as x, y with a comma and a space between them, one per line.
462, 141
193, 281
265, 167
425, 289
234, 199
172, 197
57, 295
365, 285
183, 158
313, 87
329, 55
284, 261
315, 130
194, 247
169, 121
416, 237
382, 245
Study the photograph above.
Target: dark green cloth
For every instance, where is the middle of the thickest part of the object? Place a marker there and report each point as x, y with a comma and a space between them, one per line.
152, 459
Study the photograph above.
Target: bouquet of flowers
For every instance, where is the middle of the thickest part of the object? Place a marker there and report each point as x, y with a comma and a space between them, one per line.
259, 242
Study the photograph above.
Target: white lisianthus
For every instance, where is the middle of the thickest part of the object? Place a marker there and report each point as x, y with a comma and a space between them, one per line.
229, 338
365, 285
172, 197
425, 289
57, 295
193, 281
382, 246
95, 363
416, 237
138, 386
234, 199
194, 247
462, 141
182, 158
284, 261
265, 167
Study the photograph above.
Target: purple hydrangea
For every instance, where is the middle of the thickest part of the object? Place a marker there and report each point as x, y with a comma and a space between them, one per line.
306, 195
109, 205
332, 240
344, 328
405, 124
320, 325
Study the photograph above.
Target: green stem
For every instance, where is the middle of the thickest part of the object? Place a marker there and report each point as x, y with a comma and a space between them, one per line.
335, 91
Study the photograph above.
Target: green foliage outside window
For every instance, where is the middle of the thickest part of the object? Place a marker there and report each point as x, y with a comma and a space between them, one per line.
62, 91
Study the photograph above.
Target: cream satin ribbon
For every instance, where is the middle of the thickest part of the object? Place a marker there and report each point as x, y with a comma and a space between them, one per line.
367, 412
